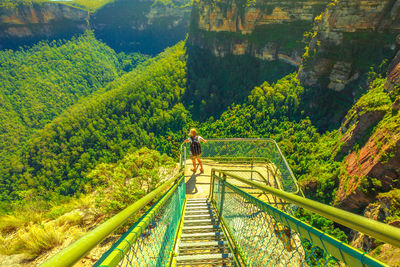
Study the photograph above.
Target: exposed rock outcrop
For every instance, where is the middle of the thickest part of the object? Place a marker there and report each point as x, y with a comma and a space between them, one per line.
384, 210
270, 30
393, 78
362, 118
351, 36
356, 130
124, 25
29, 23
143, 26
375, 168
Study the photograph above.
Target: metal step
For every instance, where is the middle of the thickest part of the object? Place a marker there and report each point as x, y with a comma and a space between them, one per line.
194, 212
190, 207
202, 236
208, 244
204, 258
199, 210
200, 216
197, 201
200, 222
204, 228
196, 205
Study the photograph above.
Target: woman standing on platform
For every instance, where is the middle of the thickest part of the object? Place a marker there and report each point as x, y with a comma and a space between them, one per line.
195, 148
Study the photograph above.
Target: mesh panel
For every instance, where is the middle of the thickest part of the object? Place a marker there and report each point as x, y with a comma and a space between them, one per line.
155, 243
262, 155
263, 236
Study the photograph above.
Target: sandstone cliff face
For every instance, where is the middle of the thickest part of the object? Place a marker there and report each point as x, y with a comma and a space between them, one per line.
268, 30
351, 36
384, 209
124, 25
28, 23
375, 168
393, 79
371, 141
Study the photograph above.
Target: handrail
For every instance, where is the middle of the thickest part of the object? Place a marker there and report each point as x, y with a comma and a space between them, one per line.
118, 253
82, 246
375, 229
298, 190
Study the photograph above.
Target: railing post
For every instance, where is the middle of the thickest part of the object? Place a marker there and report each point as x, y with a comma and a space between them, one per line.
211, 194
184, 155
221, 205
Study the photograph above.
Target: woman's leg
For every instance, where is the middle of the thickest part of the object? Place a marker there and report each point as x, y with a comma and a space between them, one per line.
201, 164
194, 164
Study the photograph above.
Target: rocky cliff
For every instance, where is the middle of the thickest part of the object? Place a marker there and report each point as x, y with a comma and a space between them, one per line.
144, 26
348, 38
264, 29
26, 24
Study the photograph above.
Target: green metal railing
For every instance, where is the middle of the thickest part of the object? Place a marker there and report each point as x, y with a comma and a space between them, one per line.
266, 236
169, 204
251, 151
151, 240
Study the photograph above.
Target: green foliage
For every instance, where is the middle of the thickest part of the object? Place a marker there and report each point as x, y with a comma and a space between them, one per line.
275, 111
393, 209
121, 184
38, 83
214, 83
140, 108
130, 61
321, 223
376, 99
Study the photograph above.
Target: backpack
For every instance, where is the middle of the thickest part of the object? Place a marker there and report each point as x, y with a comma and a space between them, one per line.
195, 147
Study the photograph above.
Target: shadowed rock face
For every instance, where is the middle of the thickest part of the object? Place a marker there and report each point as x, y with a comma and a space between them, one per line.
124, 25
26, 24
269, 30
393, 78
128, 25
378, 159
351, 36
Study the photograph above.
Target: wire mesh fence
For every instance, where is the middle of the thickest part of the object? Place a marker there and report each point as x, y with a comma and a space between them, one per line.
150, 240
267, 236
256, 155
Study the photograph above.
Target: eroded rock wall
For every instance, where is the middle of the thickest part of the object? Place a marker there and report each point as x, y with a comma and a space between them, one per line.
124, 25
350, 36
270, 30
25, 24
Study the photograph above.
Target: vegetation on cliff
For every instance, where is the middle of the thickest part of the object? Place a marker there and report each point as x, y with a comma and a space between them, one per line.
140, 108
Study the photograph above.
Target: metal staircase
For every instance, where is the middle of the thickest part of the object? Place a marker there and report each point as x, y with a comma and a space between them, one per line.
202, 241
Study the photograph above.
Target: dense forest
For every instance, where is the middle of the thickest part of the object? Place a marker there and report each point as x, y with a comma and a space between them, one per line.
39, 82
